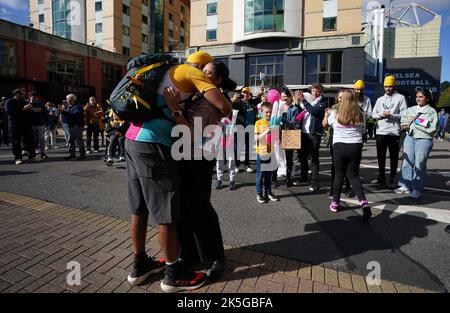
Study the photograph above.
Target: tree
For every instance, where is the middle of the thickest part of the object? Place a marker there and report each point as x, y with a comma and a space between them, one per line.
444, 86
444, 99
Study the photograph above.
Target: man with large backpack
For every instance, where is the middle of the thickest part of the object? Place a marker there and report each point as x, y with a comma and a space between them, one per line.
153, 178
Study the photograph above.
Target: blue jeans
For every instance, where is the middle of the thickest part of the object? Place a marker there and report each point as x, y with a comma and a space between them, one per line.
263, 178
414, 166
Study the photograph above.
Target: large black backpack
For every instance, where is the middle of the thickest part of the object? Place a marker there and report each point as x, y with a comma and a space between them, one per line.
134, 98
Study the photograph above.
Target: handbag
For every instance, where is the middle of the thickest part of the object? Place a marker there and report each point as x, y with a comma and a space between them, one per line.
291, 139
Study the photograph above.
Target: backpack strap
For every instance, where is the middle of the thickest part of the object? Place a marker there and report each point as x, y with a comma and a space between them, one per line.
150, 67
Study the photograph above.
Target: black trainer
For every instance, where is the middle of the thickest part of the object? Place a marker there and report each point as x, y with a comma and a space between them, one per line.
144, 268
179, 280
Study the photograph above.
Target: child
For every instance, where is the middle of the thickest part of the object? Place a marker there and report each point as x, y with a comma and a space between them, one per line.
263, 151
347, 149
227, 136
115, 130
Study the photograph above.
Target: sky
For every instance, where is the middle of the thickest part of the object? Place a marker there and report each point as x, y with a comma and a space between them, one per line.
17, 11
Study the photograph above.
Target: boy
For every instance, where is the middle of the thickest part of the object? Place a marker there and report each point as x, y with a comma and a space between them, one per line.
263, 151
227, 135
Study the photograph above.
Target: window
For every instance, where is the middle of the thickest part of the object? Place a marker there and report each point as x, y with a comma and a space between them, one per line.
182, 39
144, 38
8, 58
125, 9
329, 23
329, 15
212, 8
40, 1
324, 68
211, 35
182, 24
183, 10
126, 51
264, 15
170, 33
171, 2
64, 68
170, 17
41, 18
98, 6
267, 69
126, 30
144, 19
145, 2
98, 27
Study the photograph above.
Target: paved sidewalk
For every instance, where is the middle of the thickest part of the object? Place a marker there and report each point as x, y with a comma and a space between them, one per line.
39, 238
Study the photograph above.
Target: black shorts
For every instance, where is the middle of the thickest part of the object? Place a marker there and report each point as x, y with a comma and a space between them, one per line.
153, 181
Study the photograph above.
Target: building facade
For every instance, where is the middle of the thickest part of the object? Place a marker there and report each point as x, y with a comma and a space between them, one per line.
282, 42
54, 66
127, 27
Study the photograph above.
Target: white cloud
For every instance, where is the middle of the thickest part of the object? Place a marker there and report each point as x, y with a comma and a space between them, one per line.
15, 4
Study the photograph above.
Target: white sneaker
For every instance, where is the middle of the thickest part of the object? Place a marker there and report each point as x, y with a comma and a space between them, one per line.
249, 169
415, 194
402, 189
18, 162
236, 170
88, 152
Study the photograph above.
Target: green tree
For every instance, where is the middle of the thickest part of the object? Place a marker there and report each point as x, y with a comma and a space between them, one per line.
444, 99
444, 86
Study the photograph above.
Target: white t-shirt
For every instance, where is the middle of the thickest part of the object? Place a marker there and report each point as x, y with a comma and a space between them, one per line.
342, 133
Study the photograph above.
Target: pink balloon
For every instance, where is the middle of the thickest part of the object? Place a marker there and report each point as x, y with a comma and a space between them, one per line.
273, 95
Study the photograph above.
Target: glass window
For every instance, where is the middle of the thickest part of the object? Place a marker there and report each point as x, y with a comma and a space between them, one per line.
182, 9
145, 2
8, 58
211, 34
126, 51
41, 18
144, 38
182, 24
98, 27
264, 15
271, 68
125, 9
170, 17
60, 11
170, 33
324, 68
144, 19
329, 23
65, 68
126, 30
212, 8
98, 6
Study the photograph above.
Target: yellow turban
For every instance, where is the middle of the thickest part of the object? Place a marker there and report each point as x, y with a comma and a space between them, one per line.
389, 81
359, 84
200, 57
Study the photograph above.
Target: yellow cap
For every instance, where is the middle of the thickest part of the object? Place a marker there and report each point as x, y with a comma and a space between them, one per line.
359, 84
246, 89
389, 81
200, 57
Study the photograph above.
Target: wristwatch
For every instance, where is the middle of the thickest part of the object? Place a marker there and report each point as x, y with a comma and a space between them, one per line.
176, 114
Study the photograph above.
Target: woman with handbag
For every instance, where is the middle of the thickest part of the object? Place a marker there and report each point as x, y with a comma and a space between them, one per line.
347, 149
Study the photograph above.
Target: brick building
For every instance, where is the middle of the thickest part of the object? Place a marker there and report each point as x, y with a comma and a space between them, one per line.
54, 66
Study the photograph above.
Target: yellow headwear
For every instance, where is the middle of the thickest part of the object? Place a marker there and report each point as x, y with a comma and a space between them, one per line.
389, 81
200, 57
359, 84
246, 89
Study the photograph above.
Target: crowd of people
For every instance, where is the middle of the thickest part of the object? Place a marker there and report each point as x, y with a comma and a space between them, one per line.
32, 127
176, 195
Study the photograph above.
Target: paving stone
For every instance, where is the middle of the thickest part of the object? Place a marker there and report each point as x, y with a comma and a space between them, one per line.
49, 288
38, 270
320, 287
96, 278
13, 276
305, 286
